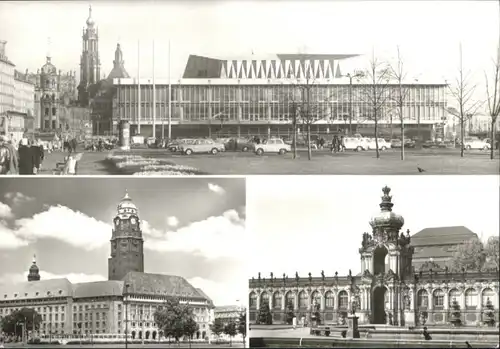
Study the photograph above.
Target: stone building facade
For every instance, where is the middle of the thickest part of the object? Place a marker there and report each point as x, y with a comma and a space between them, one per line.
388, 291
104, 307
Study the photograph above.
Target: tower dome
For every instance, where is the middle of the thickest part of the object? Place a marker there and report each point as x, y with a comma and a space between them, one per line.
34, 272
126, 207
386, 219
90, 20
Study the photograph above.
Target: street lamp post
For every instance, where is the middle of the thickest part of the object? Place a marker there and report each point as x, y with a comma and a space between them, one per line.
351, 76
126, 315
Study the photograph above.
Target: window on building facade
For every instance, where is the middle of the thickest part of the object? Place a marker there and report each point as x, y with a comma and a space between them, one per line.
264, 298
303, 301
343, 300
329, 300
453, 295
277, 300
290, 299
438, 298
488, 294
316, 297
471, 298
422, 299
46, 111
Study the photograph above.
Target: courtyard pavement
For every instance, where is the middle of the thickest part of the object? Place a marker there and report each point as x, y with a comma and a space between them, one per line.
433, 161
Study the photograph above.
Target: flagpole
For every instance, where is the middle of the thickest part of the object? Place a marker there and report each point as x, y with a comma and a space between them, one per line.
139, 104
154, 94
169, 97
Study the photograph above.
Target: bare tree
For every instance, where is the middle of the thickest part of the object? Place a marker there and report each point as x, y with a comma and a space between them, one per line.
493, 99
308, 106
399, 95
463, 93
376, 92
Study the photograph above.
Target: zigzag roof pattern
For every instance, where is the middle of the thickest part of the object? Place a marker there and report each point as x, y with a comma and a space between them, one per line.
282, 66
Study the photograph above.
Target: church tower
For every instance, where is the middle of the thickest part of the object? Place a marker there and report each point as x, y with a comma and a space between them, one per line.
34, 273
90, 64
127, 245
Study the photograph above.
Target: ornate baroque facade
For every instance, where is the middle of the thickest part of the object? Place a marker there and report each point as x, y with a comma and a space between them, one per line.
101, 307
388, 291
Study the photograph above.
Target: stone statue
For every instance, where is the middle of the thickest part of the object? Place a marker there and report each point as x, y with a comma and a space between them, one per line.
350, 273
284, 278
310, 277
364, 243
297, 276
253, 279
272, 276
259, 276
322, 275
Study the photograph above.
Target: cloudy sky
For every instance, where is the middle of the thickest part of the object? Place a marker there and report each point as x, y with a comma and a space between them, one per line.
190, 228
428, 32
312, 223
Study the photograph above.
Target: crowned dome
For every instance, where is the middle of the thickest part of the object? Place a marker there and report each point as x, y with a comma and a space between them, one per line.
48, 67
386, 218
90, 21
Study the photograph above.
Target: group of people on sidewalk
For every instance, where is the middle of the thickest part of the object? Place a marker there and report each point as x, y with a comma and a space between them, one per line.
25, 158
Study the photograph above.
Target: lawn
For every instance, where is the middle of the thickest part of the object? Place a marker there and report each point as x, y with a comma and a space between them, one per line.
433, 162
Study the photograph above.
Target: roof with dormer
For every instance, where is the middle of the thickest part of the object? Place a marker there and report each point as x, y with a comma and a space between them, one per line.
160, 284
36, 289
442, 236
98, 289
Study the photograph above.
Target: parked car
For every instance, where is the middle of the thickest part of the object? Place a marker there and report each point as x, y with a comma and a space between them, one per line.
175, 145
355, 143
201, 146
382, 144
476, 143
433, 145
396, 143
239, 144
273, 145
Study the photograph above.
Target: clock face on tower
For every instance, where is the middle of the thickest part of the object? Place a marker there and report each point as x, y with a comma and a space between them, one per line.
133, 220
117, 222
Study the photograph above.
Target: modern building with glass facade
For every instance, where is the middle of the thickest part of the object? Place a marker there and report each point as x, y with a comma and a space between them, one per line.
259, 96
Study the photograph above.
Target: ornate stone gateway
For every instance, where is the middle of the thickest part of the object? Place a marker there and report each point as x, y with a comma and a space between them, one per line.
388, 291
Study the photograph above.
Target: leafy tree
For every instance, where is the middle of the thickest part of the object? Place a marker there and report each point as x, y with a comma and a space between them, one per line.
190, 328
474, 255
492, 251
27, 316
217, 327
469, 255
242, 325
455, 313
231, 331
175, 319
264, 317
289, 313
489, 313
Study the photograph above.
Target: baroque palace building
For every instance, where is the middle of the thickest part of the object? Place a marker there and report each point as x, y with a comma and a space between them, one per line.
257, 96
404, 280
103, 307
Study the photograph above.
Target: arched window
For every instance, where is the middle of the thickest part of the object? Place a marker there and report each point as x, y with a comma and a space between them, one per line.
253, 301
316, 298
453, 295
438, 299
276, 300
329, 300
290, 299
471, 298
303, 300
343, 300
422, 299
264, 299
488, 294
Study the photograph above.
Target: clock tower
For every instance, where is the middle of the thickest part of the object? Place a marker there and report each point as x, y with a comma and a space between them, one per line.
127, 245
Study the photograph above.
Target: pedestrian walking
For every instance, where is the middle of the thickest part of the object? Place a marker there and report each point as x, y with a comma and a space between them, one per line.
26, 158
10, 159
38, 155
